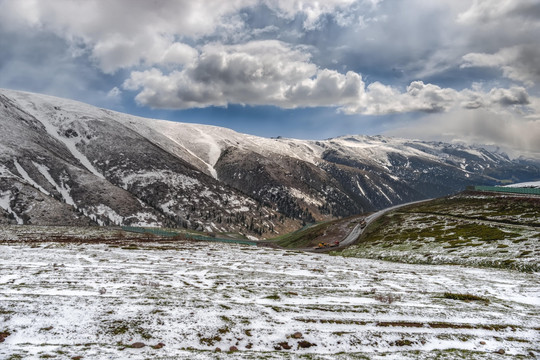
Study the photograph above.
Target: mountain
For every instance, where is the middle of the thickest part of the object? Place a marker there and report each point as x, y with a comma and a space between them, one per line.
65, 162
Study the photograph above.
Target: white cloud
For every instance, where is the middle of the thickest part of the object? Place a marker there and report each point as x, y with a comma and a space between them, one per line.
124, 33
127, 33
484, 11
275, 73
115, 92
254, 73
312, 10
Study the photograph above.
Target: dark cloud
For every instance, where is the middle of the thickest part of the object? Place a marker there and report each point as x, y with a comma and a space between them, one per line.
508, 97
520, 63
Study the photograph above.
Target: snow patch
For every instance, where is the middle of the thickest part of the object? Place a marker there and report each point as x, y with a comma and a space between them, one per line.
143, 178
27, 177
305, 197
383, 193
63, 188
4, 172
5, 203
70, 144
360, 188
104, 210
166, 207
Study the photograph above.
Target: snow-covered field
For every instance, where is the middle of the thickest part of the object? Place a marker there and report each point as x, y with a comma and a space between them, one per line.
183, 300
533, 184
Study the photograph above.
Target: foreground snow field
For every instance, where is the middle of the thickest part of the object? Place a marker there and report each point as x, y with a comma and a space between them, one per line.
68, 300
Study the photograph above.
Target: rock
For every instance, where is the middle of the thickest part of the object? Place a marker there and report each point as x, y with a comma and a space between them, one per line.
402, 342
70, 133
297, 335
138, 345
4, 335
233, 349
482, 343
285, 345
217, 350
500, 351
305, 344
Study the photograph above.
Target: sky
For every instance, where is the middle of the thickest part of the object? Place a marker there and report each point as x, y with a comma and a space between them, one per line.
447, 70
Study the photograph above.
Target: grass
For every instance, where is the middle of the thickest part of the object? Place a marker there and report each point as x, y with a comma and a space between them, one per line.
273, 297
122, 327
304, 237
310, 236
502, 208
463, 297
492, 231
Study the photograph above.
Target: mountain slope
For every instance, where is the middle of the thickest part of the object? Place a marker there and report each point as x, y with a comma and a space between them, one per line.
83, 157
113, 168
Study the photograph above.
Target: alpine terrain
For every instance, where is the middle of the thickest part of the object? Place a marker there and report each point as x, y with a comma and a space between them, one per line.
65, 162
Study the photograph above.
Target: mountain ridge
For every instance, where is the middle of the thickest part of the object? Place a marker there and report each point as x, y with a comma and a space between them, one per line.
115, 168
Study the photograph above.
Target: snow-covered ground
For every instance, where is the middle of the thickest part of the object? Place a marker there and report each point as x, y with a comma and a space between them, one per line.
94, 300
534, 184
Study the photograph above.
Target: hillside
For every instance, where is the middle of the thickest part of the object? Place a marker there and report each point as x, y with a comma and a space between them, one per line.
313, 234
471, 228
67, 163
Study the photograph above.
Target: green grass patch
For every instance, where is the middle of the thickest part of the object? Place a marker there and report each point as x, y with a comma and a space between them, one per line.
303, 237
273, 297
463, 297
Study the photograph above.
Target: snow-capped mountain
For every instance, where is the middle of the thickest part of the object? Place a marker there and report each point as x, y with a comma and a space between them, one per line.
64, 162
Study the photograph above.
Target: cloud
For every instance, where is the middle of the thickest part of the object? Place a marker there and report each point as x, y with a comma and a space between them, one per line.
311, 10
124, 33
485, 11
114, 93
275, 73
520, 63
254, 73
507, 97
127, 33
513, 134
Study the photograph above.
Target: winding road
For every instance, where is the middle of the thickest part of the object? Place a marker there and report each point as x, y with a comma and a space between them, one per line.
357, 230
